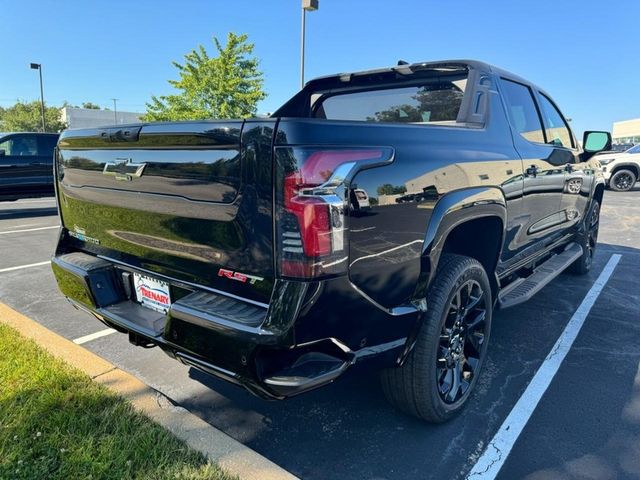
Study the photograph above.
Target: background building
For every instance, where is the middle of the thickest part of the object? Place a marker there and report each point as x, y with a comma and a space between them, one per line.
88, 118
627, 131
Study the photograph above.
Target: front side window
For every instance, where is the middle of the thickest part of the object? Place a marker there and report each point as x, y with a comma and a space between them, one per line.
432, 102
558, 133
522, 111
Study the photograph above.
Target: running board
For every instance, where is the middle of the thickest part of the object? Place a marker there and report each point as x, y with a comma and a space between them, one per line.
523, 289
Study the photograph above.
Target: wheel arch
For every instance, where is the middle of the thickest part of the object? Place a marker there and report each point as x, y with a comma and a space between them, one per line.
634, 167
462, 213
456, 216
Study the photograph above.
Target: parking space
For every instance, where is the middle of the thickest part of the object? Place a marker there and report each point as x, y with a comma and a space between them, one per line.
587, 423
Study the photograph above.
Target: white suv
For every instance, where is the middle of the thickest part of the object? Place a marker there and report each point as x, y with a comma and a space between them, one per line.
621, 169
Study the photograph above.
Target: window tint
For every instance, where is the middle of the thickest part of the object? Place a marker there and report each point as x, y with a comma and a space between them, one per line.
429, 103
22, 146
522, 111
557, 131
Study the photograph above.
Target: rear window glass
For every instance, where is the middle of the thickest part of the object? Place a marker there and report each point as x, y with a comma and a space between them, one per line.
431, 102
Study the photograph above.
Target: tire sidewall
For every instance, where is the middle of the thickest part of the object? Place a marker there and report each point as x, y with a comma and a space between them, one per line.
585, 262
477, 273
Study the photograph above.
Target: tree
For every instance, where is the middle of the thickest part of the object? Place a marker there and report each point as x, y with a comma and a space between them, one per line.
90, 106
26, 117
388, 189
226, 86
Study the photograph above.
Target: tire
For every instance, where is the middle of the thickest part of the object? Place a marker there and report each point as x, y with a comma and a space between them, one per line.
588, 241
622, 180
448, 345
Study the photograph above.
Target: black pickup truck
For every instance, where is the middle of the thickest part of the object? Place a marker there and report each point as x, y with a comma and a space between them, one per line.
242, 248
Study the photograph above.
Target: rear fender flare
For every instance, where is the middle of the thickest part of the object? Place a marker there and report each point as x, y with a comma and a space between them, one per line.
452, 210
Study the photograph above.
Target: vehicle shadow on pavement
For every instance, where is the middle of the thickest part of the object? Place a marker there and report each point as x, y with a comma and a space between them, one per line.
347, 429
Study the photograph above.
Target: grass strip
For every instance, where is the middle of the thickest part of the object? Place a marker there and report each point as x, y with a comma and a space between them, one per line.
55, 423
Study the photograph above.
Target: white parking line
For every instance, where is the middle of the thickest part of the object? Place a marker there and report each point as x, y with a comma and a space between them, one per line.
93, 336
29, 230
490, 462
362, 229
20, 267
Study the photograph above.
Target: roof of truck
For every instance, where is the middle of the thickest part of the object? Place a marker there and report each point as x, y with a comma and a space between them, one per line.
443, 65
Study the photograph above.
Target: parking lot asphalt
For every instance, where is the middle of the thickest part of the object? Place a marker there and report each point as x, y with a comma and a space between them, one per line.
587, 424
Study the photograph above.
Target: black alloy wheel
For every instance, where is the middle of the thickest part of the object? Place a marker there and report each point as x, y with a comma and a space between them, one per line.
588, 240
461, 342
438, 376
622, 180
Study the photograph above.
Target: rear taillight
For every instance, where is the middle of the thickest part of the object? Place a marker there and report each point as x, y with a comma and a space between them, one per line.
312, 202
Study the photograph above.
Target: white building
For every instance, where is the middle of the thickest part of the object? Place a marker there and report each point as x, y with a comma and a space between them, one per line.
89, 118
627, 131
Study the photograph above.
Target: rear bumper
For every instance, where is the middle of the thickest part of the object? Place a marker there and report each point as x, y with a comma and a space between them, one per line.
238, 341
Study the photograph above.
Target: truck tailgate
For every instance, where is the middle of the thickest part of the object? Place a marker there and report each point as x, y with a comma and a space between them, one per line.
192, 201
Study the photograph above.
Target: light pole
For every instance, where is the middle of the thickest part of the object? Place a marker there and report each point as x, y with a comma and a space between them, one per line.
307, 6
38, 66
115, 111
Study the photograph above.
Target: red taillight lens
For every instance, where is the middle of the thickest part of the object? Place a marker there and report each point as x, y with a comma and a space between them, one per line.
311, 203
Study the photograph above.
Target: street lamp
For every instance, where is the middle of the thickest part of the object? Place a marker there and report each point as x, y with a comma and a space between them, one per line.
37, 66
115, 111
307, 6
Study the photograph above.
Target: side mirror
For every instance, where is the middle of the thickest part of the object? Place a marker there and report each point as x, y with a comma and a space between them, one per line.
593, 142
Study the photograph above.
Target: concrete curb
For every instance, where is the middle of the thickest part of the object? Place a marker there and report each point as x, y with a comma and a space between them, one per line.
232, 456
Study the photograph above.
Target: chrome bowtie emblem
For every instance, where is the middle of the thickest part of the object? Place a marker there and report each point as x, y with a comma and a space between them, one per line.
124, 169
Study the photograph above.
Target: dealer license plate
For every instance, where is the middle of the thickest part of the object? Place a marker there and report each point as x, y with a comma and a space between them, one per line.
152, 293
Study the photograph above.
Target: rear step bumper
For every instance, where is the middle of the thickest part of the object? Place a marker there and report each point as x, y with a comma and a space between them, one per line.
237, 341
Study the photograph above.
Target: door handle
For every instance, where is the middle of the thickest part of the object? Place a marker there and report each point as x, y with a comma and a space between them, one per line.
531, 171
568, 167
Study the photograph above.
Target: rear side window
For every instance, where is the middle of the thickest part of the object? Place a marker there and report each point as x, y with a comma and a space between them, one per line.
20, 146
522, 111
557, 130
432, 102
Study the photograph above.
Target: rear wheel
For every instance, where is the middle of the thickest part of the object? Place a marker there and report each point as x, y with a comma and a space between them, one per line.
588, 241
438, 376
622, 180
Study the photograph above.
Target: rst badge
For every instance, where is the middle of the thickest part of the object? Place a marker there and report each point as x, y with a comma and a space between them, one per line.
239, 277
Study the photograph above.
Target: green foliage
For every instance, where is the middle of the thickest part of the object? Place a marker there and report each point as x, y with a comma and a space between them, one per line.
226, 86
388, 189
26, 117
90, 106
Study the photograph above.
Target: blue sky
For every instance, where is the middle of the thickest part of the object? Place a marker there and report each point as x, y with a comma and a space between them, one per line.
586, 54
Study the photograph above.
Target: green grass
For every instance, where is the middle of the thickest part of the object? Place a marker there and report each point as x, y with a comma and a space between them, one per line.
55, 423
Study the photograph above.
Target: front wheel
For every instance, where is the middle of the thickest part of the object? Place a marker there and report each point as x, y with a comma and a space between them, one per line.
623, 180
437, 378
588, 240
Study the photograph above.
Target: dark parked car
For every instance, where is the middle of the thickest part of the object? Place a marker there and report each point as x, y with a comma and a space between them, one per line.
26, 164
232, 245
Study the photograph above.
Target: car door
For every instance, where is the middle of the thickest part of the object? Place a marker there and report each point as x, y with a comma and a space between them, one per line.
579, 176
544, 177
